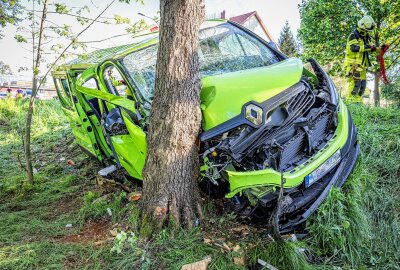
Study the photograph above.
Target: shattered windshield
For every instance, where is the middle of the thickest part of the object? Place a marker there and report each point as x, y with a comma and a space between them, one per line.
223, 48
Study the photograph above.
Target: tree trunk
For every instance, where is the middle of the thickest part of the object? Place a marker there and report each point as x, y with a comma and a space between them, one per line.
170, 190
27, 142
377, 96
28, 123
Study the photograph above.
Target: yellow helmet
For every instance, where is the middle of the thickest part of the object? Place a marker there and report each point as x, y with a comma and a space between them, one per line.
366, 23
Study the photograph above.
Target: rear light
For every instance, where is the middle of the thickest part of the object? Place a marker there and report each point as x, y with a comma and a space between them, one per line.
154, 28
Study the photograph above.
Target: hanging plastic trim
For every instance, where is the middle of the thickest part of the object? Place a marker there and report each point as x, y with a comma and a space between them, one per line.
384, 77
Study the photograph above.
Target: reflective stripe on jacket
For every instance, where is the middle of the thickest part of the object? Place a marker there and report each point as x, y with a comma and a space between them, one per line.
357, 50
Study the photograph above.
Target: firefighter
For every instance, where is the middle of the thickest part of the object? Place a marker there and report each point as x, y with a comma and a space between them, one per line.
357, 56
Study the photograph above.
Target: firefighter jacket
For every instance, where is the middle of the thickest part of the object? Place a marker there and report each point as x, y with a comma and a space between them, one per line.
357, 50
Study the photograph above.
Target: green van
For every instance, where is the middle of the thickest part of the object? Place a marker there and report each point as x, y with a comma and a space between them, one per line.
266, 119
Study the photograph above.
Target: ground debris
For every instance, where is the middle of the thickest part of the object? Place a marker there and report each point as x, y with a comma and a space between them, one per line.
109, 184
241, 229
200, 265
289, 237
207, 241
114, 232
70, 162
135, 196
267, 265
221, 243
239, 256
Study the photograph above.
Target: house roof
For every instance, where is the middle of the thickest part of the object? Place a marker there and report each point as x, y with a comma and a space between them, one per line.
241, 19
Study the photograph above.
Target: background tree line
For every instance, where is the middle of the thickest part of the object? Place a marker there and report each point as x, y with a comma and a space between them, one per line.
326, 25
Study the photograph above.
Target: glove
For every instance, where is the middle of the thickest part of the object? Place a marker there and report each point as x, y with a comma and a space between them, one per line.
373, 48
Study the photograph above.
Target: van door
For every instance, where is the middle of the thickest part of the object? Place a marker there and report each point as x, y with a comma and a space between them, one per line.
88, 107
120, 120
79, 126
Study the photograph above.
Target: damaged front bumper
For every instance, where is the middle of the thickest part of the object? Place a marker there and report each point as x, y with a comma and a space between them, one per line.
302, 201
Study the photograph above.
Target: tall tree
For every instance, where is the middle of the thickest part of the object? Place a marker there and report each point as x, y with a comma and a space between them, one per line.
9, 11
326, 25
287, 43
172, 166
324, 28
386, 14
40, 77
36, 66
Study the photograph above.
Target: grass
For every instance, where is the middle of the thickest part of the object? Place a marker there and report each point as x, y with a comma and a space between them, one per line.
356, 228
281, 254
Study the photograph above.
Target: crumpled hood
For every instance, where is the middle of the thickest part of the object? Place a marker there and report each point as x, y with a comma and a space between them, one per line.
223, 96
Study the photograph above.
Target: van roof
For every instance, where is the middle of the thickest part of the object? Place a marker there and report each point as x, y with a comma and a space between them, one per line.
96, 57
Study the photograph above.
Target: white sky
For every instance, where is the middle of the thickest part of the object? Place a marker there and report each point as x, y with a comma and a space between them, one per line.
273, 13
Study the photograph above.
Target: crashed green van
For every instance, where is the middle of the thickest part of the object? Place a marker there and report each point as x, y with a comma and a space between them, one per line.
266, 120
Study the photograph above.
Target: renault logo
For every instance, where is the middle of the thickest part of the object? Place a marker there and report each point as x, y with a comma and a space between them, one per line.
254, 114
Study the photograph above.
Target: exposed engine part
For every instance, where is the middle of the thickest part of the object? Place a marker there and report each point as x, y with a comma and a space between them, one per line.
298, 123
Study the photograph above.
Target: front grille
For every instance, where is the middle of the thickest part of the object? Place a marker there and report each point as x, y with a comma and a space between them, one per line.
318, 132
305, 126
294, 152
296, 107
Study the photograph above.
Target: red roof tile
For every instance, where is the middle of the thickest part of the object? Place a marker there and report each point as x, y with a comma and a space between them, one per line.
242, 18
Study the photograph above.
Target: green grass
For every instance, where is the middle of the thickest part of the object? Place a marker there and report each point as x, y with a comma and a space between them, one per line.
95, 207
359, 225
33, 218
356, 228
281, 254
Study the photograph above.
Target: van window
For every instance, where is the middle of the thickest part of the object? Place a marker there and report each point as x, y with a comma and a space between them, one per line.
63, 92
65, 86
115, 82
91, 83
222, 49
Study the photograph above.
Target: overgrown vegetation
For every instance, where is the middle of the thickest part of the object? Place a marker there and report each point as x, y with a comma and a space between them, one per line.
63, 222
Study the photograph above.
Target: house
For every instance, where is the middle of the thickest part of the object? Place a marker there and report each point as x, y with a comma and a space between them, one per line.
253, 22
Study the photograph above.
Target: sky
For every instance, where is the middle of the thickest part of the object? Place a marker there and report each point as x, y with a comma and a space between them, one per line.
273, 13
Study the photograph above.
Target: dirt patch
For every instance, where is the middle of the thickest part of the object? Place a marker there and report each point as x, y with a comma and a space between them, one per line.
92, 232
68, 204
64, 205
16, 208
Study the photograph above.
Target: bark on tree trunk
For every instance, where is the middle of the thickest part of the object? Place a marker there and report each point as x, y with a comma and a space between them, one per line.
377, 96
28, 123
27, 141
170, 190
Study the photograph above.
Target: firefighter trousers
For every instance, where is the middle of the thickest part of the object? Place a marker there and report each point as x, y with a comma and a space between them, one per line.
357, 79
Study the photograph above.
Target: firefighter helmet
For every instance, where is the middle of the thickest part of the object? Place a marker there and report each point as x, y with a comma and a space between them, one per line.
366, 23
